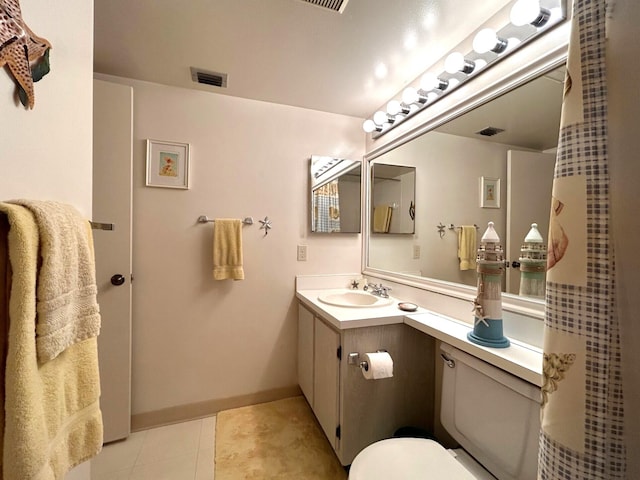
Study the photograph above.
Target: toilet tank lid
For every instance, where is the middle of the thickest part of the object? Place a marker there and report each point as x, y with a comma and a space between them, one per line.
406, 458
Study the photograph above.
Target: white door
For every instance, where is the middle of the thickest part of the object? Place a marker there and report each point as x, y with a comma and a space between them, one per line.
112, 177
529, 183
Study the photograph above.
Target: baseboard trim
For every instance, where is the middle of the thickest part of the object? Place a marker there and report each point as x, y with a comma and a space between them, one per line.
193, 411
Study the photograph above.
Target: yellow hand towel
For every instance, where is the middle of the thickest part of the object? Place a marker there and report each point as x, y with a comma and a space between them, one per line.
467, 247
227, 249
381, 218
67, 304
52, 412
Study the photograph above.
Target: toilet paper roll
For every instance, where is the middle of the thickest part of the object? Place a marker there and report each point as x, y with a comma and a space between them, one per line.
380, 366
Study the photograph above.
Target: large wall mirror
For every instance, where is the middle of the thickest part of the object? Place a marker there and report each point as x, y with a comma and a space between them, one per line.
335, 194
507, 144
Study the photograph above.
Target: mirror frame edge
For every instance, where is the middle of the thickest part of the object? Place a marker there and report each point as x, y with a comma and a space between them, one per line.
536, 63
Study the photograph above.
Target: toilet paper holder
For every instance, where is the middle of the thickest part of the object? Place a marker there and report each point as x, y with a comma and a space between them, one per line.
354, 357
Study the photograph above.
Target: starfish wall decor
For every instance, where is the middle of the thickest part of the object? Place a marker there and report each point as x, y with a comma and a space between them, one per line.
19, 47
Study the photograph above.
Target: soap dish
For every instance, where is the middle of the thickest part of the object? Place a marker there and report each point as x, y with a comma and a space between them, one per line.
408, 307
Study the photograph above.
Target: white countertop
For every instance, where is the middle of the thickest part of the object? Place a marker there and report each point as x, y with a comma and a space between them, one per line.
522, 360
344, 318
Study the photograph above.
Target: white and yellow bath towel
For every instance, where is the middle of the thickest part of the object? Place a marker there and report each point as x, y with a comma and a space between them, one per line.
52, 414
227, 249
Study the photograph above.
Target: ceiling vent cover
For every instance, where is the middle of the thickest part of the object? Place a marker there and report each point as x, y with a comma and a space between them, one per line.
334, 5
214, 79
490, 131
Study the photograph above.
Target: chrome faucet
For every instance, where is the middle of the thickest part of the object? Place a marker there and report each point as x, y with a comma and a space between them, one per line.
379, 290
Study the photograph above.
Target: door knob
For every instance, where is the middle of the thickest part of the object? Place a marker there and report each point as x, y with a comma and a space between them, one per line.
117, 279
515, 264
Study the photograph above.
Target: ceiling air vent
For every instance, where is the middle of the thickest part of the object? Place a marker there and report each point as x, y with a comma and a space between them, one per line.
334, 5
214, 79
490, 131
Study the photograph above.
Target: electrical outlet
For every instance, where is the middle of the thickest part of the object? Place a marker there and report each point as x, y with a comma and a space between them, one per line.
302, 253
416, 252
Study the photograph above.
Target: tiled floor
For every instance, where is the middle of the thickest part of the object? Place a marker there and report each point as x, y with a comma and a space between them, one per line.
183, 451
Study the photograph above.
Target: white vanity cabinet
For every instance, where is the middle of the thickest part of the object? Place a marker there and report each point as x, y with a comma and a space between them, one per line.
318, 369
305, 353
353, 411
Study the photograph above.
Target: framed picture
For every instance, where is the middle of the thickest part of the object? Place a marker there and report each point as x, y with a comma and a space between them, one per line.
167, 164
489, 192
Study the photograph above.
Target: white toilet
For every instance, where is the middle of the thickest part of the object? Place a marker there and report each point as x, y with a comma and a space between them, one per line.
492, 414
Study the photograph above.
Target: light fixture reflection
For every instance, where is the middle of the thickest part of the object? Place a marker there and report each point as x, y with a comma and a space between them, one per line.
381, 70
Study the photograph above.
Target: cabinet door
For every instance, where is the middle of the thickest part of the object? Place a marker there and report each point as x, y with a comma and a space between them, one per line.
326, 377
305, 352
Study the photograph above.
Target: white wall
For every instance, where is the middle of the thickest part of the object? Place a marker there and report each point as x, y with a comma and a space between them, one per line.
196, 339
46, 152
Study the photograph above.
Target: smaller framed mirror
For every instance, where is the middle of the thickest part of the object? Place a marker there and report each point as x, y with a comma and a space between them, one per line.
393, 199
336, 185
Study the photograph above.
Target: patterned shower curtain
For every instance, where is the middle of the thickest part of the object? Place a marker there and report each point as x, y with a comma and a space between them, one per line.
582, 434
326, 205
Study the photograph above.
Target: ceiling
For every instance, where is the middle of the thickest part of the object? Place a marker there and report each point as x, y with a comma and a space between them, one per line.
285, 51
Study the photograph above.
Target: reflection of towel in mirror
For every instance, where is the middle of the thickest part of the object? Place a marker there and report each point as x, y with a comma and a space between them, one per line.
467, 247
382, 218
227, 249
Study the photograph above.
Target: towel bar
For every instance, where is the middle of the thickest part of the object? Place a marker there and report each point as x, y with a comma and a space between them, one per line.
205, 219
101, 226
453, 227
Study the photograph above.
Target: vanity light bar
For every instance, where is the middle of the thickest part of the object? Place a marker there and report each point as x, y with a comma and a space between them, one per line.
527, 20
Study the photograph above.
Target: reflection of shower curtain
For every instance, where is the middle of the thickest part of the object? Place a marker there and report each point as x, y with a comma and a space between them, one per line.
582, 433
326, 204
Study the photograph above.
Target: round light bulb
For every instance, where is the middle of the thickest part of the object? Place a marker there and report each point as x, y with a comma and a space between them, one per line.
394, 107
369, 126
513, 42
456, 62
453, 82
380, 117
410, 95
429, 81
524, 12
487, 40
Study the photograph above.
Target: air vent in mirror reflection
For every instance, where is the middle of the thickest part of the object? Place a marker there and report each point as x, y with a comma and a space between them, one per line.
490, 131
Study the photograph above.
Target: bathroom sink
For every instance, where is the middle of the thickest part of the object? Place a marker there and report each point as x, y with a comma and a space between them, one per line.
354, 299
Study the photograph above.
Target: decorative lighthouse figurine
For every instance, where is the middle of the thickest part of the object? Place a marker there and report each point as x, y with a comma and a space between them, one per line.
487, 328
533, 264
